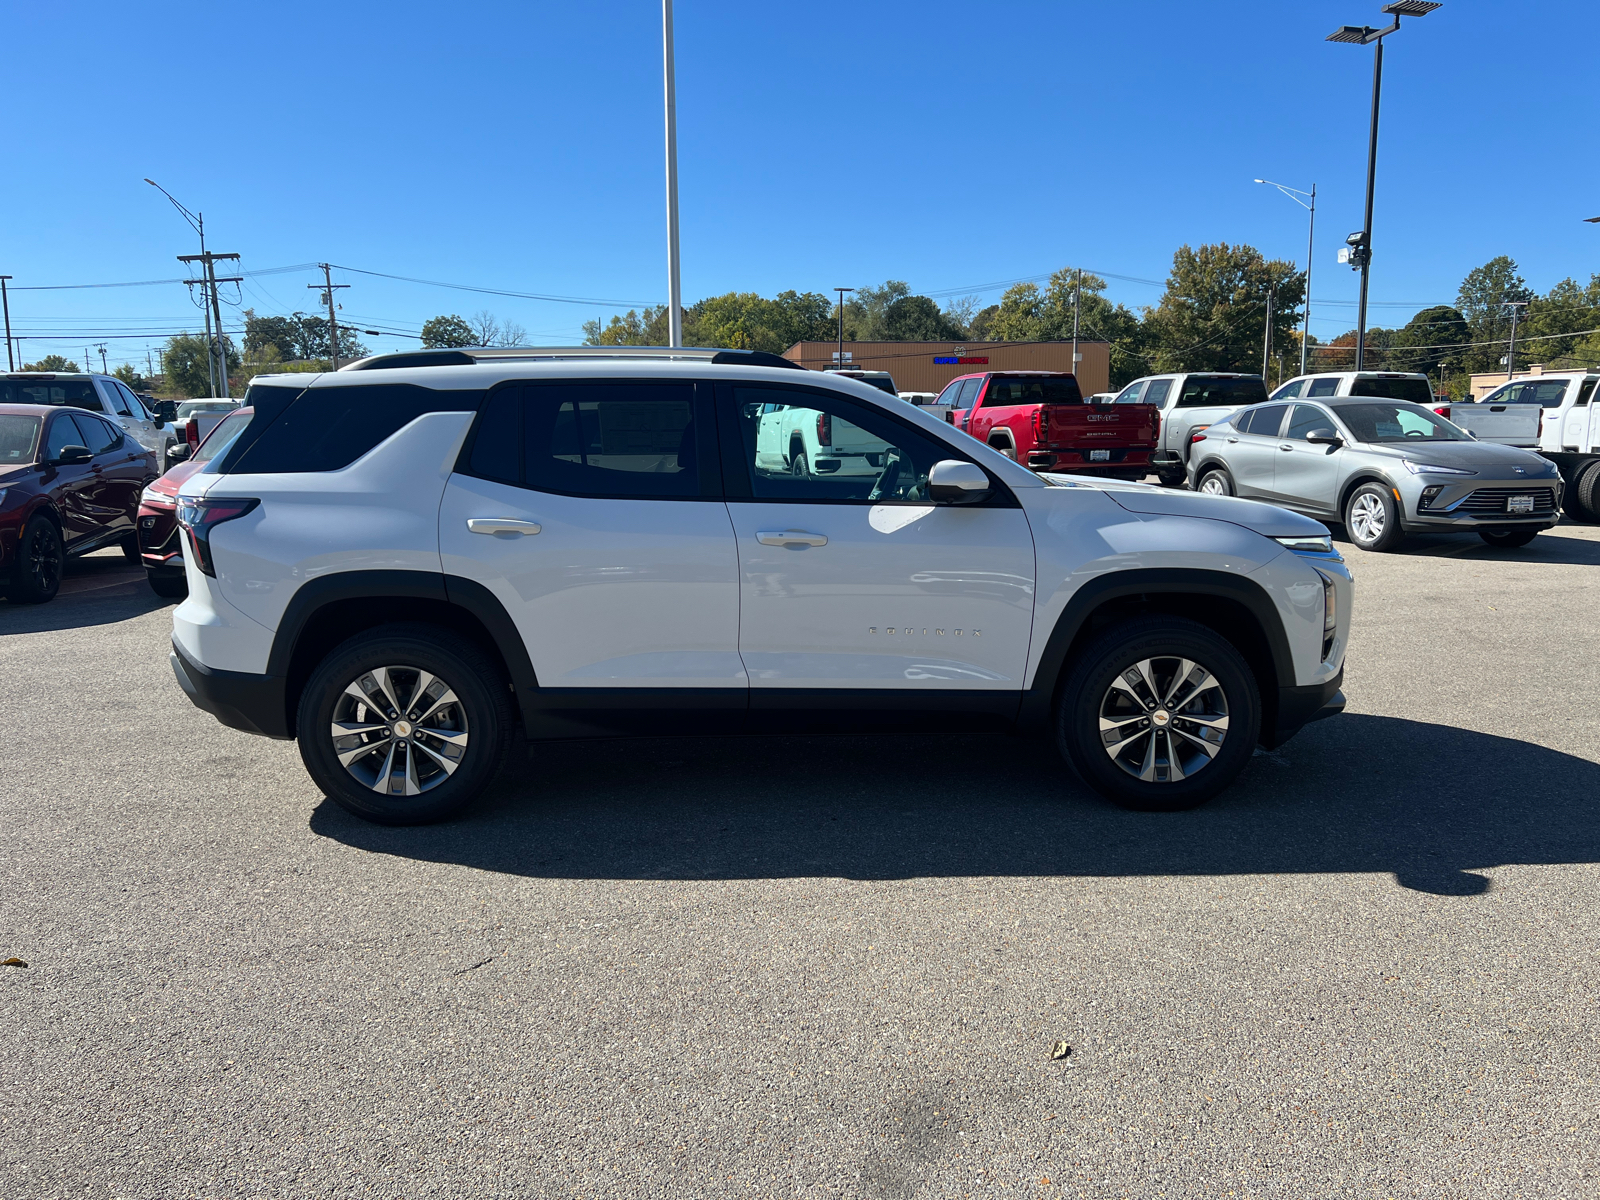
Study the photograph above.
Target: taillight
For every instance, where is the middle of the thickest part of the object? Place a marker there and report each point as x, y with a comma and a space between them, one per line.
1199, 435
199, 516
1443, 410
191, 431
824, 429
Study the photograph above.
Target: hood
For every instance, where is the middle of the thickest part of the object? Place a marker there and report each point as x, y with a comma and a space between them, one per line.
1266, 519
1462, 454
15, 474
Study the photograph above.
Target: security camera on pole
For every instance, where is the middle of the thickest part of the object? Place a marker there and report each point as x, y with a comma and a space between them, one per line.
1359, 251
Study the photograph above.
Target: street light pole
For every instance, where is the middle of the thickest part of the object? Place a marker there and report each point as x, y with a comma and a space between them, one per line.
1361, 242
674, 285
1311, 241
838, 358
11, 363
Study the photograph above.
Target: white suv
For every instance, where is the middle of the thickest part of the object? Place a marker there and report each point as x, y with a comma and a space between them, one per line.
101, 394
402, 561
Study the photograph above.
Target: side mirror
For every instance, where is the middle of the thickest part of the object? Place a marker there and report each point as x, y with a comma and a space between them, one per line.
179, 453
1324, 437
73, 454
166, 410
955, 482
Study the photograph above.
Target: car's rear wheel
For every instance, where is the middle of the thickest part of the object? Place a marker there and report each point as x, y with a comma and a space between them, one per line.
39, 562
1005, 448
405, 724
1508, 539
1216, 482
799, 464
1372, 518
167, 583
130, 548
1170, 479
1160, 714
1585, 490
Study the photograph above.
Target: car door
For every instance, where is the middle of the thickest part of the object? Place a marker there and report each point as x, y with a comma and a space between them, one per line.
1576, 424
1306, 474
72, 485
121, 465
852, 585
119, 408
1251, 461
592, 509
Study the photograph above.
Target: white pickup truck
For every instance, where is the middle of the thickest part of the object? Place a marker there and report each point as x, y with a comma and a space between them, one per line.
802, 441
1187, 404
1553, 415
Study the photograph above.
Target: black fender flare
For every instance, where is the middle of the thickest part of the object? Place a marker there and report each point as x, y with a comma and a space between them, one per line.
1038, 700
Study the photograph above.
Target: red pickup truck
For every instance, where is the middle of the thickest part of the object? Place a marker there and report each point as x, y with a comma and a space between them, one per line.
1040, 419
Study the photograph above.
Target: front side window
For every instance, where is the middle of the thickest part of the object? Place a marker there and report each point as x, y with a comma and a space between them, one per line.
98, 435
1011, 390
1290, 390
1157, 392
1307, 419
119, 403
1131, 393
809, 446
1398, 422
17, 437
1217, 391
606, 440
1326, 386
951, 391
1415, 390
63, 433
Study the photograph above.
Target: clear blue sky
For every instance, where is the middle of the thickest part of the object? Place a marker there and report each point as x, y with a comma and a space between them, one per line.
519, 146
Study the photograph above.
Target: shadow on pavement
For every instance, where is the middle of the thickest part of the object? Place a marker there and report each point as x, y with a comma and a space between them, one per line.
114, 598
1549, 547
1428, 804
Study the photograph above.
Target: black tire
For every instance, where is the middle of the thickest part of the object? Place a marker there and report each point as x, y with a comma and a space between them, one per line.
1585, 490
1220, 479
1508, 539
480, 713
1092, 686
130, 548
798, 464
1372, 518
37, 574
1004, 447
168, 584
1171, 479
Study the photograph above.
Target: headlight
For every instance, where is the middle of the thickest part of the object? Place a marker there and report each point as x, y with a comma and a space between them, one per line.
1307, 544
159, 499
1417, 468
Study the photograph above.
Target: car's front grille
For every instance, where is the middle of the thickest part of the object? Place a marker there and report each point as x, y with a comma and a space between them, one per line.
1491, 502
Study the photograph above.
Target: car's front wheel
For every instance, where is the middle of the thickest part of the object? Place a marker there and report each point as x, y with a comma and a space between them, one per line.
1372, 518
1159, 714
39, 562
405, 724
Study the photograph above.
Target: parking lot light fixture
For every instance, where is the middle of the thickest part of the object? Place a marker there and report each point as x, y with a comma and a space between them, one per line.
1310, 205
1593, 220
1366, 35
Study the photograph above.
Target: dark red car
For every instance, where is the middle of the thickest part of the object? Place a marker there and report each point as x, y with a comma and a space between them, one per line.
160, 547
69, 484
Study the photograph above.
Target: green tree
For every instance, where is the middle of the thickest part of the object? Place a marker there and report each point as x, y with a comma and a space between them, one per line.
1026, 314
1482, 299
800, 317
1429, 340
1557, 322
281, 334
1212, 316
446, 332
135, 381
184, 363
918, 319
648, 328
864, 311
52, 362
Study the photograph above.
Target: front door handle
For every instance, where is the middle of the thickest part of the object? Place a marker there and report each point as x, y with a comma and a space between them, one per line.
792, 537
1286, 446
503, 525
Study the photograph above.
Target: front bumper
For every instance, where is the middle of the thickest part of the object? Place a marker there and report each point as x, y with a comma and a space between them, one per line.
1467, 505
253, 703
1078, 462
1299, 706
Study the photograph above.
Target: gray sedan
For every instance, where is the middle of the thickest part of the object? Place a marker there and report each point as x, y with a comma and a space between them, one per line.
1379, 467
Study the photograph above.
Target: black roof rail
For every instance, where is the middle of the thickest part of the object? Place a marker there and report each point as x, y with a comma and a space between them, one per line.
467, 356
413, 358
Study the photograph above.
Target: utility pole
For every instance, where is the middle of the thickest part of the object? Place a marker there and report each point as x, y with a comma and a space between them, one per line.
1266, 340
217, 350
11, 363
104, 369
1077, 293
328, 288
149, 369
838, 359
674, 284
1511, 351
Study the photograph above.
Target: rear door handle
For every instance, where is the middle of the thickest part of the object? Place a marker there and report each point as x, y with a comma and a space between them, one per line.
1233, 439
505, 525
792, 537
1285, 446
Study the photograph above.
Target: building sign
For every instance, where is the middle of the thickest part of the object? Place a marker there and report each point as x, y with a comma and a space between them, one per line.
847, 356
978, 361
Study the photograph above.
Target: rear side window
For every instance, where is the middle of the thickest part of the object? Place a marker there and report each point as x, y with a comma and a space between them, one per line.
1415, 390
1323, 387
1545, 393
610, 440
1010, 390
328, 428
969, 389
1215, 391
1265, 421
1584, 393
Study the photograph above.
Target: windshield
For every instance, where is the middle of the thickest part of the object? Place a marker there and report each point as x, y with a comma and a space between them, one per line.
78, 393
1044, 389
1415, 390
1214, 391
219, 438
17, 436
1398, 423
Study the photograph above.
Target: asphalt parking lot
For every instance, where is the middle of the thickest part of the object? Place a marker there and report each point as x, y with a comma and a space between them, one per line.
816, 968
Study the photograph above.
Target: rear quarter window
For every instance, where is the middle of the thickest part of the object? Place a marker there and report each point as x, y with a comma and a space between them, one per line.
1415, 390
328, 428
1213, 391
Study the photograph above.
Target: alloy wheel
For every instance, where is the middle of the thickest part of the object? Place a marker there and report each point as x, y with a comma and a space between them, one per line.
1367, 517
1163, 719
42, 558
1212, 485
399, 731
